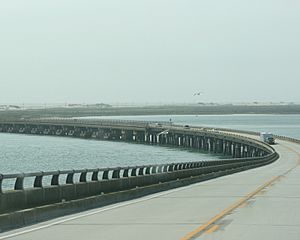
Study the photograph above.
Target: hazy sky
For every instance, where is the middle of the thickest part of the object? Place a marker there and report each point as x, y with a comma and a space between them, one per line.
149, 50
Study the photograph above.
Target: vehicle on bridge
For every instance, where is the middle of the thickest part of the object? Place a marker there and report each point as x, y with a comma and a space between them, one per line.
267, 138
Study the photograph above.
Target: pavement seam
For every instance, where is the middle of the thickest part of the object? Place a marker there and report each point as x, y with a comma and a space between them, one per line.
197, 232
200, 230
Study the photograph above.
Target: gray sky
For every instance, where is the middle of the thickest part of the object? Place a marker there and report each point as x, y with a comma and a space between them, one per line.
149, 50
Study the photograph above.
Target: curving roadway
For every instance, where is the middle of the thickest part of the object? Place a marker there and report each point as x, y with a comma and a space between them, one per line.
262, 203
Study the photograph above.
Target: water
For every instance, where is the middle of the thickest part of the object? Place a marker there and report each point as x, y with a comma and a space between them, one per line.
288, 125
27, 153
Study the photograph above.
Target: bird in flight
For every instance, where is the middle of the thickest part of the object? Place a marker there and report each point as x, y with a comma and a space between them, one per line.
198, 93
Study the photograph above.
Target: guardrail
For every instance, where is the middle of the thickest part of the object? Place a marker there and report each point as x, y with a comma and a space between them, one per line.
58, 188
89, 122
285, 138
235, 134
66, 178
103, 181
99, 174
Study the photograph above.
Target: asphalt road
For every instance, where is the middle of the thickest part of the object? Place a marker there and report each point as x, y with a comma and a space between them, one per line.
262, 203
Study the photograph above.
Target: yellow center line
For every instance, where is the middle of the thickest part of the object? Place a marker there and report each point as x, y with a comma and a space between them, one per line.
245, 204
204, 227
212, 229
207, 226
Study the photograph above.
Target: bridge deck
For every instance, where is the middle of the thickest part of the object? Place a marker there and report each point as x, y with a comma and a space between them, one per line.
272, 212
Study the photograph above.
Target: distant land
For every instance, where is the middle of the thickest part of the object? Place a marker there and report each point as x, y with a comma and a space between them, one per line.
101, 109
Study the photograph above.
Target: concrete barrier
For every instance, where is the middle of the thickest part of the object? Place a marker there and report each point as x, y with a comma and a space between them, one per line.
25, 205
28, 216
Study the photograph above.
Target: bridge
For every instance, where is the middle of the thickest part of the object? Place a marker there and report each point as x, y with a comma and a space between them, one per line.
204, 209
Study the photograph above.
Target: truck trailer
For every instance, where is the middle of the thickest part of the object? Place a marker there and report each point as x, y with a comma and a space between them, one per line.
267, 138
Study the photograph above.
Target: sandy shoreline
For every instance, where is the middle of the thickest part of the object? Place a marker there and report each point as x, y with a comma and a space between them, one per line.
150, 110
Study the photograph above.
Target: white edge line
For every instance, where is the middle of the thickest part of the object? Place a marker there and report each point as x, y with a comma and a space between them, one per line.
118, 205
130, 202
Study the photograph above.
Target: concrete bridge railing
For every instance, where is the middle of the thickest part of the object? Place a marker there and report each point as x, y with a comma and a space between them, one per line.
285, 138
93, 182
60, 192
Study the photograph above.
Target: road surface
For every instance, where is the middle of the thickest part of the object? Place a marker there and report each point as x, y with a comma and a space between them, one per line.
262, 203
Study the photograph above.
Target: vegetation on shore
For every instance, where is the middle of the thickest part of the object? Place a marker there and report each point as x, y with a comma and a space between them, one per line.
150, 110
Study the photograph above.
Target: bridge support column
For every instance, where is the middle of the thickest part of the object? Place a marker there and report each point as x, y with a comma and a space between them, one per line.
151, 138
172, 139
191, 142
146, 137
255, 152
183, 138
197, 143
232, 150
203, 144
215, 145
237, 150
244, 151
206, 144
128, 135
219, 146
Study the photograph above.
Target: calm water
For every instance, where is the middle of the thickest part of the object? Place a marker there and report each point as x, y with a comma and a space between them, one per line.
288, 125
26, 153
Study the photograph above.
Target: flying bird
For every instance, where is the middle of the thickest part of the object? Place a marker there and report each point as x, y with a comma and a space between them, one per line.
198, 93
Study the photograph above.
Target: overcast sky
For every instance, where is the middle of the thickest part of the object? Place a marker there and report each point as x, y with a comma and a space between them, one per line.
149, 51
